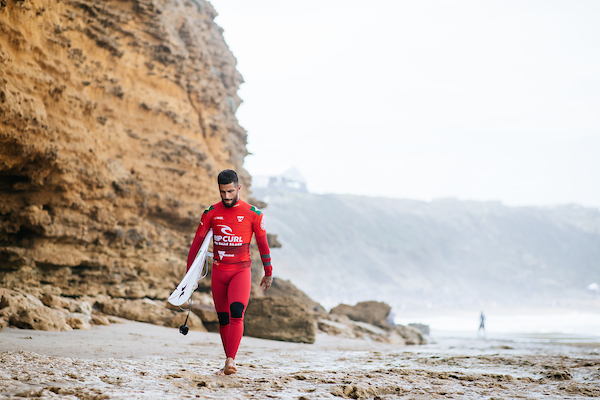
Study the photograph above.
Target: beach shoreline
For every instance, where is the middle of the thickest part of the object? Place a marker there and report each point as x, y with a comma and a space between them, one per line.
137, 360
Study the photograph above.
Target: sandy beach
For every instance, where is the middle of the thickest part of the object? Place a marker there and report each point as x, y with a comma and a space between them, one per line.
133, 360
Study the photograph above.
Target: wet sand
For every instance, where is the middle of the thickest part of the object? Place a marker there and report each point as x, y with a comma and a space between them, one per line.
141, 361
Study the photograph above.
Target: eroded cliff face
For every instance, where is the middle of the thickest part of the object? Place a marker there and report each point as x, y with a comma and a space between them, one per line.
115, 117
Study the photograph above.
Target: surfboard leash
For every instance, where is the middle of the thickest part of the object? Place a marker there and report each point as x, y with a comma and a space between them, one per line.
183, 329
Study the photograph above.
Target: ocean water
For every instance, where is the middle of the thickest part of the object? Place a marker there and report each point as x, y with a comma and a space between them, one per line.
569, 326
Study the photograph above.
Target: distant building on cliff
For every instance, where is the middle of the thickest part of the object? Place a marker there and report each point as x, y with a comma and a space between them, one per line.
291, 179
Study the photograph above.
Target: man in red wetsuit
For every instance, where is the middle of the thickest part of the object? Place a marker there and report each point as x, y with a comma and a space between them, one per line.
233, 221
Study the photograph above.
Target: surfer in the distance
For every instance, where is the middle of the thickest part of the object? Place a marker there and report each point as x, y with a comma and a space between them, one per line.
233, 222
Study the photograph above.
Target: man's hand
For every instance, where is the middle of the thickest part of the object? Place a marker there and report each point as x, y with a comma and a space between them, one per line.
266, 282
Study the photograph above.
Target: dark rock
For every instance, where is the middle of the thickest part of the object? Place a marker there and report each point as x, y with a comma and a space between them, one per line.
208, 315
279, 318
285, 288
39, 318
272, 241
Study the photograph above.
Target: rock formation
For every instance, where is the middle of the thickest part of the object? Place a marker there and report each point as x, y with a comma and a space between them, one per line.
286, 289
372, 312
280, 318
369, 319
115, 117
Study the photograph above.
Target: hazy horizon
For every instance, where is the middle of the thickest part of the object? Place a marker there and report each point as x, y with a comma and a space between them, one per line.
255, 188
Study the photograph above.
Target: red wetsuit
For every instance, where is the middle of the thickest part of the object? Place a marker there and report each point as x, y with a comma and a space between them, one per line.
230, 279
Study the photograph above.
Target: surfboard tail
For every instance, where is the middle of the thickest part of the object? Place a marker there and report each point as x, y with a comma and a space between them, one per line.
184, 290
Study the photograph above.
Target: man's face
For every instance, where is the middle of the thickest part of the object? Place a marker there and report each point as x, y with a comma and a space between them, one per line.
229, 194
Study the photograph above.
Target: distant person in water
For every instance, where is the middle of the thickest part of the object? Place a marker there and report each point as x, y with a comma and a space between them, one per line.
233, 222
481, 324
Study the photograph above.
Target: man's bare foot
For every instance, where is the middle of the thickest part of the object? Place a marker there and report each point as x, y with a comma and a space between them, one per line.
229, 367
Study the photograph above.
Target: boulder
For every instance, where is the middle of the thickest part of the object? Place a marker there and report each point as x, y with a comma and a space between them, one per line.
285, 288
272, 241
371, 312
341, 325
99, 320
335, 328
79, 321
26, 311
424, 329
142, 310
147, 310
280, 318
13, 299
194, 323
412, 336
39, 318
208, 315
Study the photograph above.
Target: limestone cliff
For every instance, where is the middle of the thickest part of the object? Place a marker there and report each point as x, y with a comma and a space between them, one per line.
115, 117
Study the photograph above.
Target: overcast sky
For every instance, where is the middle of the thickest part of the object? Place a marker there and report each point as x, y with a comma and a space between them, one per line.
480, 100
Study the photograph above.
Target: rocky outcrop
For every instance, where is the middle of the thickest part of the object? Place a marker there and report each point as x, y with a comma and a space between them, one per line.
341, 325
26, 311
207, 315
371, 312
55, 313
115, 117
147, 310
411, 335
286, 289
369, 319
280, 318
424, 329
39, 318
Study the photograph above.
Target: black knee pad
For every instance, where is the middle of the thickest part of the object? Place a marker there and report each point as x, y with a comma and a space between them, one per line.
223, 318
237, 310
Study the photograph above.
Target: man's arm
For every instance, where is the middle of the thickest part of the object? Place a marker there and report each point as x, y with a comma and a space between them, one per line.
265, 253
201, 232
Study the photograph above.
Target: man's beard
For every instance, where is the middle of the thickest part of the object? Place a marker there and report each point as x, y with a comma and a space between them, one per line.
233, 202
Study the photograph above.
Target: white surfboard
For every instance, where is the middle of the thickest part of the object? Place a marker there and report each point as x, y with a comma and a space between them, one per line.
185, 289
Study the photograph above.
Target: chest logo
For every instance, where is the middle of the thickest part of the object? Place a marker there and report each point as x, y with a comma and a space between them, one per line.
226, 230
240, 218
227, 238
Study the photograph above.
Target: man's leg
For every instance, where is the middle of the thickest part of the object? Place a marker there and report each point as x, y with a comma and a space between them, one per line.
238, 295
219, 281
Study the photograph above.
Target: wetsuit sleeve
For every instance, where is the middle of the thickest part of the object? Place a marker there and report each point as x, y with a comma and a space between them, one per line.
201, 232
265, 254
263, 245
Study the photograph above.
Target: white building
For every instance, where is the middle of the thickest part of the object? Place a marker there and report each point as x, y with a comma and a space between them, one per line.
291, 179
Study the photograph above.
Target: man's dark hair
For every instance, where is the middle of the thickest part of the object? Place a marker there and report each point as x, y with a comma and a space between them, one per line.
227, 176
